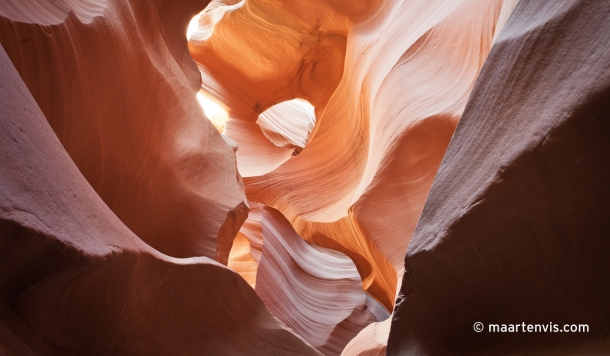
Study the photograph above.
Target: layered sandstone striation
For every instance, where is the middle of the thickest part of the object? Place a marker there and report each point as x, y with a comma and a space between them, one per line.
75, 280
515, 229
116, 83
316, 291
388, 81
288, 124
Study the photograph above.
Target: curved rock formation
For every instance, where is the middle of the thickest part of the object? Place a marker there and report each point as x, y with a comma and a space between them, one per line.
75, 280
371, 341
247, 248
119, 91
316, 291
515, 229
388, 82
290, 50
288, 124
120, 203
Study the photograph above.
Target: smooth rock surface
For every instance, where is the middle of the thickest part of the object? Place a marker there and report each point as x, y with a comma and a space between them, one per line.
118, 88
316, 291
123, 144
75, 280
388, 80
247, 248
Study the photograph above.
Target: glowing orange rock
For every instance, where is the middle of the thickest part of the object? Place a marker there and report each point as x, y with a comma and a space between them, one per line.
248, 245
388, 81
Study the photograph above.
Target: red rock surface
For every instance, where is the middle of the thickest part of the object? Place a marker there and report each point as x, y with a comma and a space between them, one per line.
516, 226
75, 280
117, 90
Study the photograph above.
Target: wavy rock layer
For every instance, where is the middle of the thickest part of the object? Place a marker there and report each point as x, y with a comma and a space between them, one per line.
75, 280
51, 12
388, 81
316, 291
516, 226
288, 124
119, 91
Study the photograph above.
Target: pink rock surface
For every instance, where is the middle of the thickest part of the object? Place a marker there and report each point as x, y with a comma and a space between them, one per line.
317, 292
75, 280
370, 341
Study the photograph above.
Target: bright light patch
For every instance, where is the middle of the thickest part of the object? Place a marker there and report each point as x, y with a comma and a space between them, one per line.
215, 113
289, 123
193, 25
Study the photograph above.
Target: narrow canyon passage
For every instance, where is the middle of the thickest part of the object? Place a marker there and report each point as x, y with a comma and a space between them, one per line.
351, 175
316, 177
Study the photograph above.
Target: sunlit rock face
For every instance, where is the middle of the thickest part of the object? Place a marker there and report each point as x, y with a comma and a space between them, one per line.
115, 81
288, 124
388, 81
515, 229
217, 115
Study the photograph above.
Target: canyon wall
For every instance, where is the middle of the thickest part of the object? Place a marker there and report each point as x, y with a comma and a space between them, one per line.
314, 290
115, 81
75, 280
388, 82
515, 229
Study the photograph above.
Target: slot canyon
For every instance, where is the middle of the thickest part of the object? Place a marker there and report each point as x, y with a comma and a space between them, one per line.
304, 177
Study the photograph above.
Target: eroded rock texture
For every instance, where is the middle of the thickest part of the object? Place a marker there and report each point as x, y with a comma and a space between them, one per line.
388, 81
75, 280
120, 203
115, 81
516, 226
316, 291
